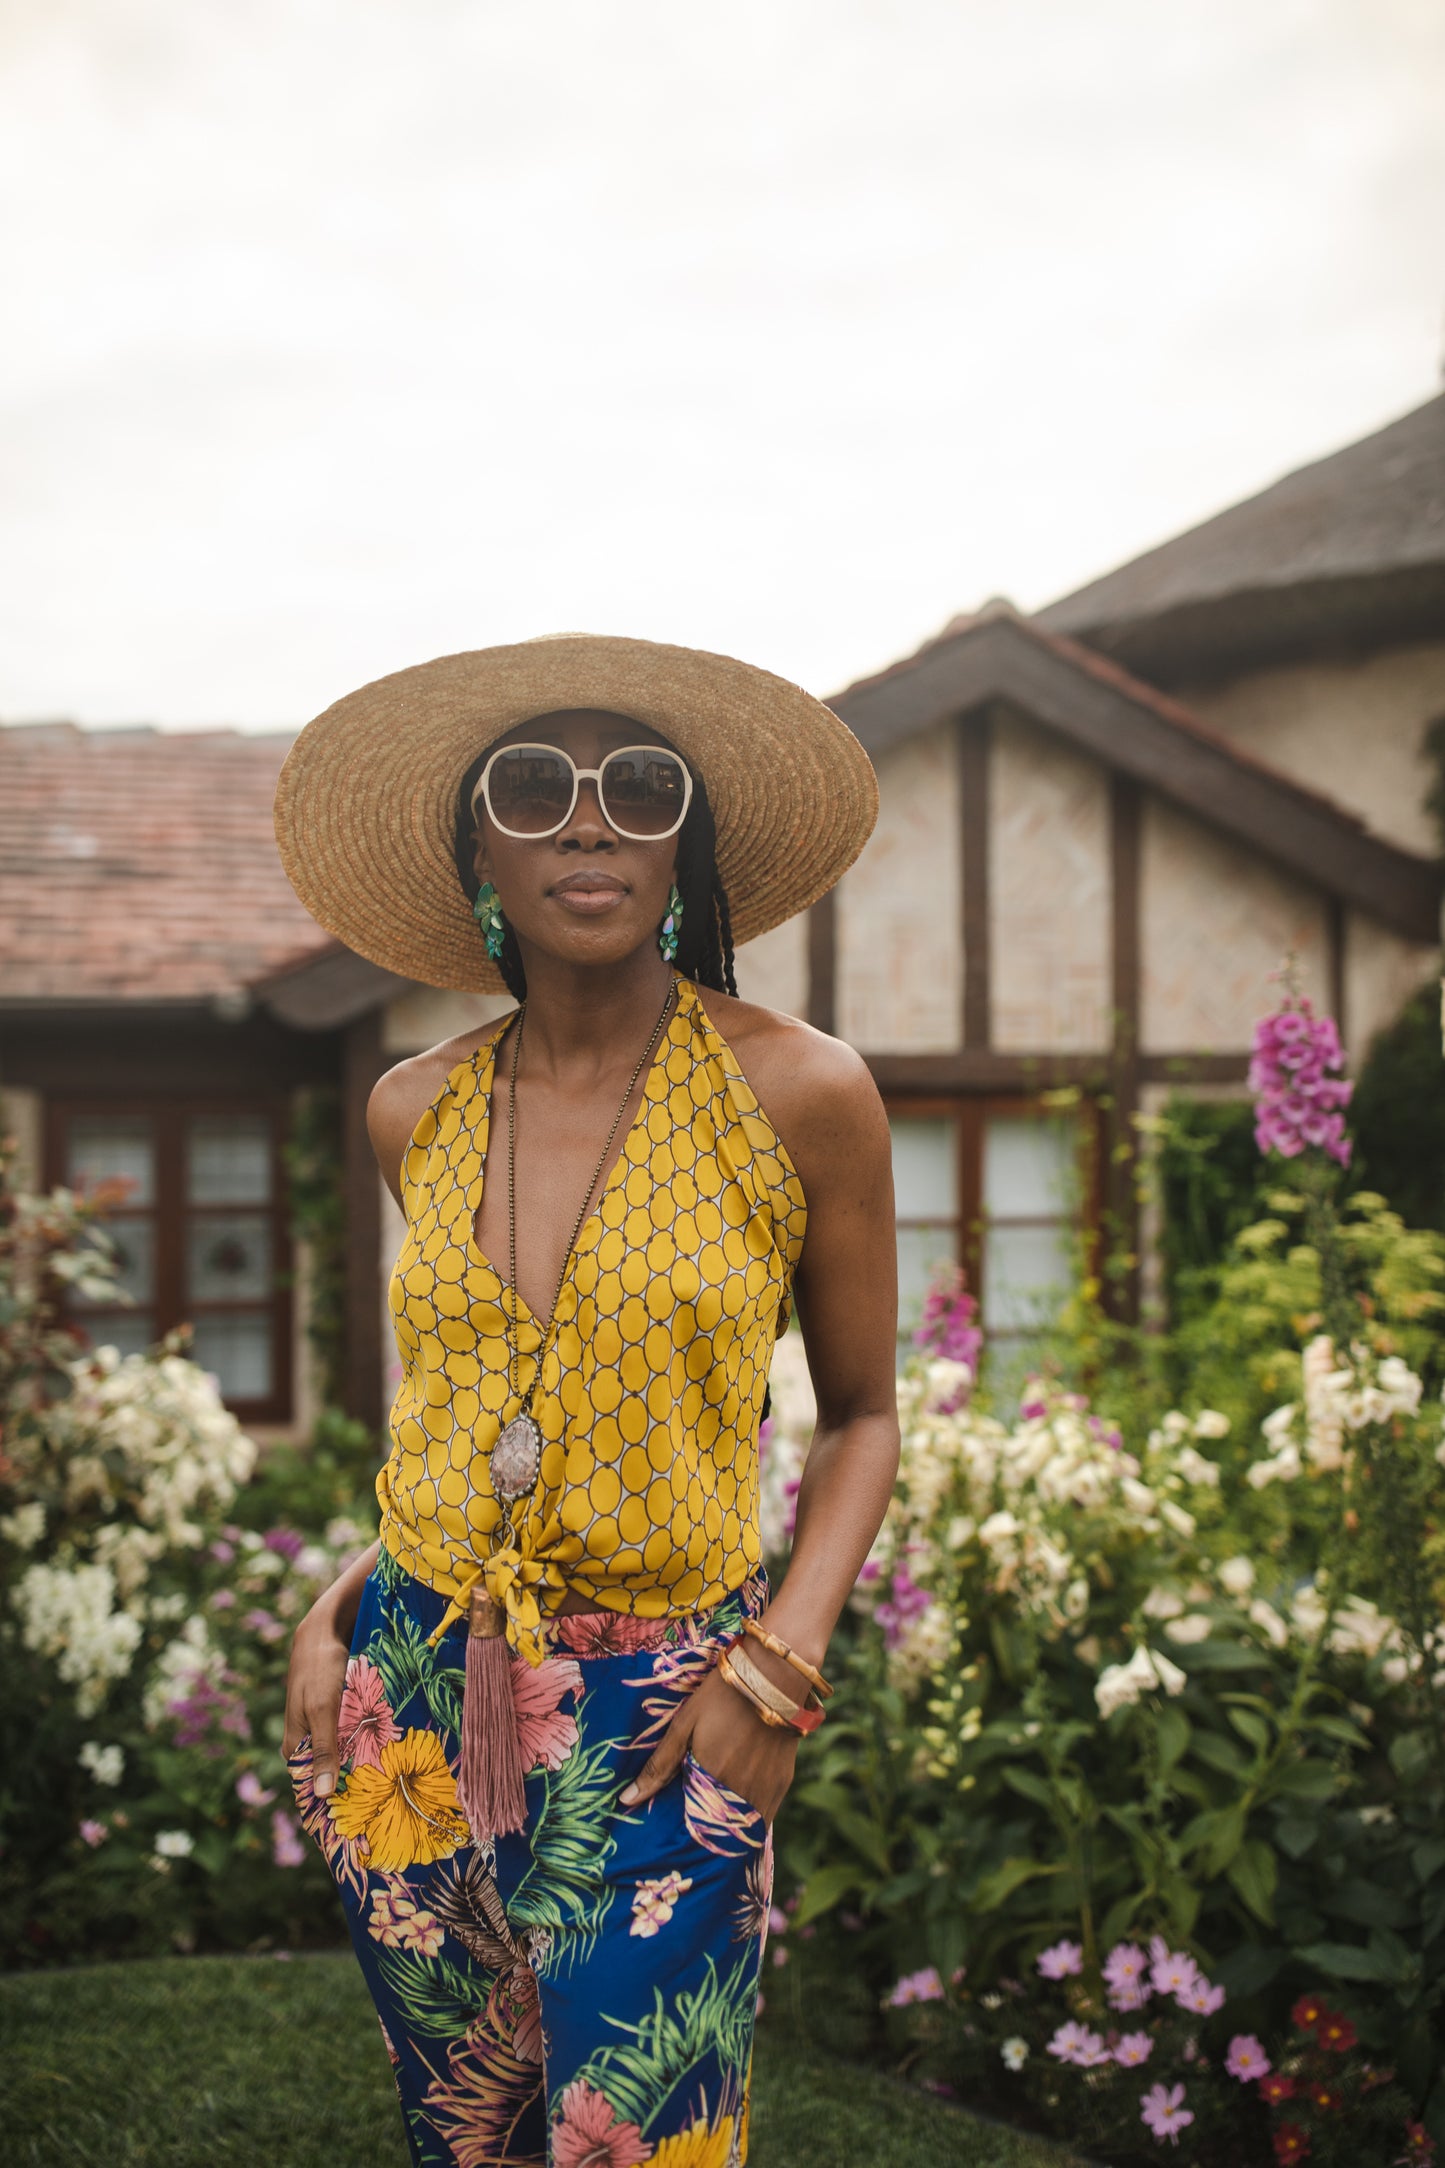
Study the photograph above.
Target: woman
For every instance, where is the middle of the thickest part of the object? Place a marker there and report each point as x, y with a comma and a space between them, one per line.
542, 1728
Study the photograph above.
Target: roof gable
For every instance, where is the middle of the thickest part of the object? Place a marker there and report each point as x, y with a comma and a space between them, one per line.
138, 864
1000, 657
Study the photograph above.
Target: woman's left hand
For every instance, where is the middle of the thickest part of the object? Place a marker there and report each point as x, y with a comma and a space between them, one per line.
730, 1741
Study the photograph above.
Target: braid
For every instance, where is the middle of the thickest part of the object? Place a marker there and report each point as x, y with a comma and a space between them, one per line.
705, 943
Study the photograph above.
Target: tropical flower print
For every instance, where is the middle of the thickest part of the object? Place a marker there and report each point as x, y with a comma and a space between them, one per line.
610, 1633
653, 1901
678, 1673
699, 2147
588, 2135
544, 1734
478, 2106
719, 1820
405, 1808
750, 1913
398, 1923
365, 1723
514, 2012
345, 1856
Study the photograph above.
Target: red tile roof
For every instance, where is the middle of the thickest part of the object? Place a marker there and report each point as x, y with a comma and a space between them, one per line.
140, 865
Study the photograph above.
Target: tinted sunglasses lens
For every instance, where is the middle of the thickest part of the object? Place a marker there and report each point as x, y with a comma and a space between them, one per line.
529, 790
644, 791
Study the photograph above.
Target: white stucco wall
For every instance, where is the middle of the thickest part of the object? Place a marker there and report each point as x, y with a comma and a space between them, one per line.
900, 939
1216, 921
773, 970
424, 1016
1381, 973
1049, 871
1350, 729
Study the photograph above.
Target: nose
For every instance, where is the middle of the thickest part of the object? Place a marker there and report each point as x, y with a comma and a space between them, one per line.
587, 827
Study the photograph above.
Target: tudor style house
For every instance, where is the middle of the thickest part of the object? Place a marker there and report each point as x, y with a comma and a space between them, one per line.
1102, 828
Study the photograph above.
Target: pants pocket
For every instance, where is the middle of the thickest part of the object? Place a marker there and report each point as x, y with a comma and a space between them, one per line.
718, 1818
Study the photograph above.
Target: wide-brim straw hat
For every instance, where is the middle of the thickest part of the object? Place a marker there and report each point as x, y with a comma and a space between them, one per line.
367, 800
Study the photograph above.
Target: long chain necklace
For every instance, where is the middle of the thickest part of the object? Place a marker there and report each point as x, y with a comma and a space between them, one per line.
516, 1458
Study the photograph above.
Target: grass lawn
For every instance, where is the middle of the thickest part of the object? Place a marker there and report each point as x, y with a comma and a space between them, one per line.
237, 2062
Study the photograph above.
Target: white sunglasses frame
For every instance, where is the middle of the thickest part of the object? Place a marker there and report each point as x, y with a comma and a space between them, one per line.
579, 777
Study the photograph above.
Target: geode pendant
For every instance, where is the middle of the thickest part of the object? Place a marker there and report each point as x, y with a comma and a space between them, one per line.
516, 1458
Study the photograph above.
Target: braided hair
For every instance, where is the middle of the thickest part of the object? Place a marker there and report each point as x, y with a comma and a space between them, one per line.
705, 938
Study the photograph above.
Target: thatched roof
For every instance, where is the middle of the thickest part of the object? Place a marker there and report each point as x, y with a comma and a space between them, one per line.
1345, 554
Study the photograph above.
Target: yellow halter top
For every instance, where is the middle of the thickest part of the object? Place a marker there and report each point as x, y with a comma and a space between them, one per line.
652, 1370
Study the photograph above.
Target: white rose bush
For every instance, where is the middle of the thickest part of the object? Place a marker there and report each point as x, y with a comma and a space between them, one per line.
148, 1580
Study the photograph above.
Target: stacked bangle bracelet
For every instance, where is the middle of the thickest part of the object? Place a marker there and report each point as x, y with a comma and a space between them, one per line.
771, 1703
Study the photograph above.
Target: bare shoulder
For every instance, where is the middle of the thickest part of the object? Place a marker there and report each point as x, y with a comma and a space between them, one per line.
401, 1097
817, 1092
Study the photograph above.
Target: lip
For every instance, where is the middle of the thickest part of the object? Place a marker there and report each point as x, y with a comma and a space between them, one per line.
590, 893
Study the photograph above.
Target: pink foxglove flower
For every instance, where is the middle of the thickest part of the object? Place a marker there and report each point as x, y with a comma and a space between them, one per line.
1294, 1074
287, 1850
1163, 2109
949, 1327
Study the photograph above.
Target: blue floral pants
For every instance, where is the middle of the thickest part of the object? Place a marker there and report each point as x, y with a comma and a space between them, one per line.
580, 1994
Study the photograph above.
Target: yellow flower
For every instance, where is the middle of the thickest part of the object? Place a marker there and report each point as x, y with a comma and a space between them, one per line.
696, 2148
406, 1809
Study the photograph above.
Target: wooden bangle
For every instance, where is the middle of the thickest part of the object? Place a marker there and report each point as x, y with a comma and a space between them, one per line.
799, 1663
761, 1684
801, 1720
769, 1716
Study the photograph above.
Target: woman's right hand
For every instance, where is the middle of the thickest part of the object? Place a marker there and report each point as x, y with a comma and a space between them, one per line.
320, 1648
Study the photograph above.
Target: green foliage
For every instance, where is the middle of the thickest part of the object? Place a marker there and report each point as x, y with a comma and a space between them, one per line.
1398, 1113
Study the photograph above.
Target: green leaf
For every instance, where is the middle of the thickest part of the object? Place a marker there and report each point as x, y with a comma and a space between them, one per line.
1171, 1736
1340, 1728
1030, 1786
823, 1889
1253, 1872
866, 1836
1222, 1656
1410, 1756
1217, 1752
1004, 1880
1251, 1727
1305, 1780
1428, 1858
1344, 1961
1368, 1904
1295, 1833
1218, 1835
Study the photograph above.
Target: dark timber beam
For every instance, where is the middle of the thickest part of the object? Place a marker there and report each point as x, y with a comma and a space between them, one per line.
1120, 1186
974, 739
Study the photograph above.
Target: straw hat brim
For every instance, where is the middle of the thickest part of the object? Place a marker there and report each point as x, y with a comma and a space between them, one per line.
366, 802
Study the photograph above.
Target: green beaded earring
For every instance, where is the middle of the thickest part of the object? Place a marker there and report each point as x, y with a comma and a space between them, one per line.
487, 912
668, 931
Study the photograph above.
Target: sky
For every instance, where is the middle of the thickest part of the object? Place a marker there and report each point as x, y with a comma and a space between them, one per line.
345, 333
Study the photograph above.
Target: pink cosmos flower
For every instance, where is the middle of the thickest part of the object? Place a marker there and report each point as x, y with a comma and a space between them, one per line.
1163, 2109
364, 1722
1131, 2049
924, 1986
1061, 1960
1173, 1973
1075, 2043
1201, 1996
1126, 1975
1246, 2059
93, 1833
545, 1735
287, 1850
586, 2134
251, 1791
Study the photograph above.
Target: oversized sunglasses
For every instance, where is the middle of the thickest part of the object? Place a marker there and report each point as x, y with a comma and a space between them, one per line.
531, 790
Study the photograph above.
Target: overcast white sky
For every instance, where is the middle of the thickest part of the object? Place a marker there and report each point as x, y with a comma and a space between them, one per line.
342, 333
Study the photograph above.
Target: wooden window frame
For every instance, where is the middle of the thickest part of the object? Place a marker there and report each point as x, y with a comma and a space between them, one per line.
970, 1111
172, 1212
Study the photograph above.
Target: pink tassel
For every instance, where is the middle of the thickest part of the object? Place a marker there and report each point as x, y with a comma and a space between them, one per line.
489, 1781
